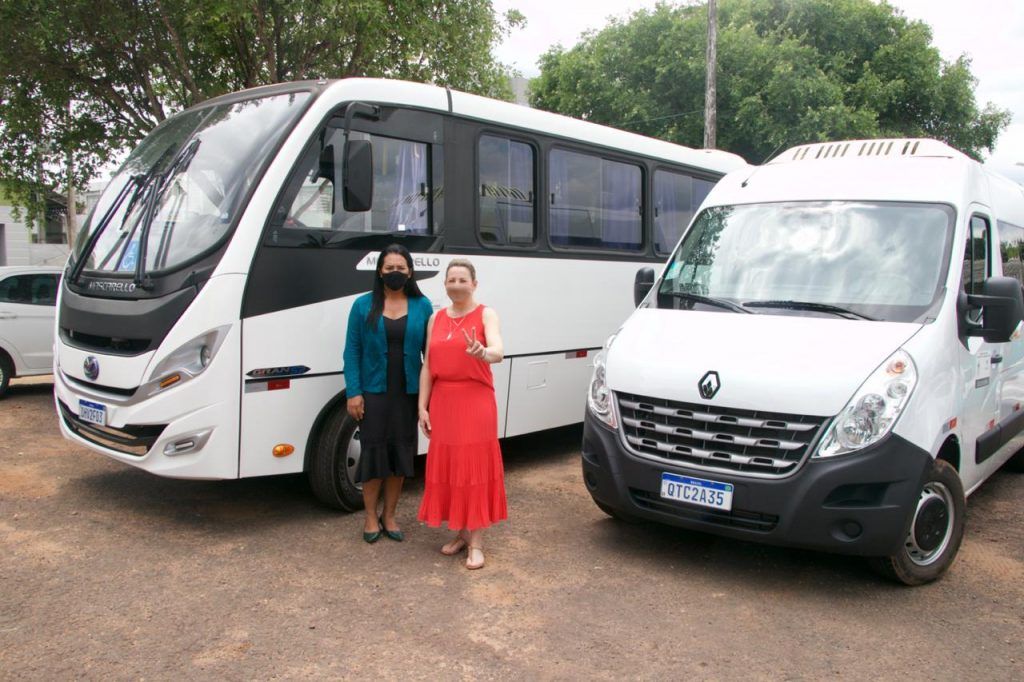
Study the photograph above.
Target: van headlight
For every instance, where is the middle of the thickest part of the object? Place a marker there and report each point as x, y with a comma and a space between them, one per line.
873, 409
599, 396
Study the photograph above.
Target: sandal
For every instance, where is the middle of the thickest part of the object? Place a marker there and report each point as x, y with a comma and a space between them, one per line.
455, 546
469, 555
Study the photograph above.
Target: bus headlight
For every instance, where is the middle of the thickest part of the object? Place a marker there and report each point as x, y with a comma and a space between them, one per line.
188, 360
599, 396
873, 409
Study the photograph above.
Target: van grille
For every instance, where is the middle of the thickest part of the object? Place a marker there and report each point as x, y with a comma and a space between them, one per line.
717, 438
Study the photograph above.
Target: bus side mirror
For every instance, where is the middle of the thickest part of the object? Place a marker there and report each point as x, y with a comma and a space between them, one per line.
357, 176
642, 284
1002, 304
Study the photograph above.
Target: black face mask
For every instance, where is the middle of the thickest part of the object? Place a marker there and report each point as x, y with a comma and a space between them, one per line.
395, 280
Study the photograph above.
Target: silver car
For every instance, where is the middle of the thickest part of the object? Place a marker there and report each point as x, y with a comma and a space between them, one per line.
28, 297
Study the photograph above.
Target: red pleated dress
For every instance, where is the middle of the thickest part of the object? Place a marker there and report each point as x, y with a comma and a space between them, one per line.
465, 478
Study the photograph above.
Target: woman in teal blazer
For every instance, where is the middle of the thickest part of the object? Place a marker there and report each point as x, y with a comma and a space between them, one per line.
383, 357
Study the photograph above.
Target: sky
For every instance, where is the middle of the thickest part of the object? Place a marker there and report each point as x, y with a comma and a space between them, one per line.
990, 32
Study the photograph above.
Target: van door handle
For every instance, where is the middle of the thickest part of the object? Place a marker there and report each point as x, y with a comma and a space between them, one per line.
996, 359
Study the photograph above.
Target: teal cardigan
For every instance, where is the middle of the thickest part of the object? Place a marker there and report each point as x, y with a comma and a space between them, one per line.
366, 349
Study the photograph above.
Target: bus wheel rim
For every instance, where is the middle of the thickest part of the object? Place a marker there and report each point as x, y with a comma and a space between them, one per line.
932, 527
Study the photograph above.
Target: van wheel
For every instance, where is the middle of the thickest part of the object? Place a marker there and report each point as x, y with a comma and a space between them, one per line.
332, 471
6, 372
616, 514
936, 530
1016, 463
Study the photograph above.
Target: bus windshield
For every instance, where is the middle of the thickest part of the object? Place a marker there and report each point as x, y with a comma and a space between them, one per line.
180, 190
859, 260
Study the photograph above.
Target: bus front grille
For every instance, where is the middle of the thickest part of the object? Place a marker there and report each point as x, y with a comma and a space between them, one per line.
130, 439
755, 443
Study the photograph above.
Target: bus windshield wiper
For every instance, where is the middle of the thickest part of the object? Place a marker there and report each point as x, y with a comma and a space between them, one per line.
159, 183
131, 187
707, 300
810, 305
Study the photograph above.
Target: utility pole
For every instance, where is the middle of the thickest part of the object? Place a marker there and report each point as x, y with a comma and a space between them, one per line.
710, 86
72, 223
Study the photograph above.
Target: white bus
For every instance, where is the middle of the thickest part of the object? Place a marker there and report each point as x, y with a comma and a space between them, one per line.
202, 313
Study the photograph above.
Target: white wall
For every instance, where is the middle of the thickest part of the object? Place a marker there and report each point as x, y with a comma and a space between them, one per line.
18, 248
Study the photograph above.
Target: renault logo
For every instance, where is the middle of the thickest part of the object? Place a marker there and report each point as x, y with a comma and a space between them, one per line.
709, 385
92, 368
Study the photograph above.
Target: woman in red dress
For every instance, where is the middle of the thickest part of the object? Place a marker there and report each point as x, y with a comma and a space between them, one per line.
465, 481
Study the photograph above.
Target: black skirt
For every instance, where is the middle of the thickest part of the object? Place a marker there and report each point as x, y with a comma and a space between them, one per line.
388, 432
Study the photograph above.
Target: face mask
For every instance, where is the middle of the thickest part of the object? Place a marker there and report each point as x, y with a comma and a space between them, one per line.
395, 280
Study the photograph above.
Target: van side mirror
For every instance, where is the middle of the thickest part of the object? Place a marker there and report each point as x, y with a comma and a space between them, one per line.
1002, 304
357, 176
642, 284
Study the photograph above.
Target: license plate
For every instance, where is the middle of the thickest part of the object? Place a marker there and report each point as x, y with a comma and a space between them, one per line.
697, 491
94, 413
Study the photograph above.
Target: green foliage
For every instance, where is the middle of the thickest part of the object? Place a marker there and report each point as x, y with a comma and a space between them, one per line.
82, 80
789, 72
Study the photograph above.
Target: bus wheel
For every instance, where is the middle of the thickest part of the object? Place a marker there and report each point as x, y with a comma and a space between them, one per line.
936, 530
335, 461
6, 372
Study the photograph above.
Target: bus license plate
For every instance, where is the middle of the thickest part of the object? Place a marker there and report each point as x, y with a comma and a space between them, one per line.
697, 491
94, 413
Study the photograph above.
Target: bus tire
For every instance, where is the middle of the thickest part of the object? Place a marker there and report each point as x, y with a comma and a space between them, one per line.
335, 461
935, 532
6, 372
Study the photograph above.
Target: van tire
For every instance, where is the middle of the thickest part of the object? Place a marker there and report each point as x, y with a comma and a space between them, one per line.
331, 474
933, 538
616, 514
6, 372
1016, 463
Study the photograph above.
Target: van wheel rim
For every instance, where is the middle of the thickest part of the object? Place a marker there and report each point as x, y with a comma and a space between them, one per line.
932, 527
352, 456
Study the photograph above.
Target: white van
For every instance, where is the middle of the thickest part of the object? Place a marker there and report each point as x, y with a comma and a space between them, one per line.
830, 359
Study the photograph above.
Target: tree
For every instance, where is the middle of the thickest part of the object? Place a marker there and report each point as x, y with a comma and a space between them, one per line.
82, 80
789, 72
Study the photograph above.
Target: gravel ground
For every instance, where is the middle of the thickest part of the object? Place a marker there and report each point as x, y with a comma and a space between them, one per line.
110, 572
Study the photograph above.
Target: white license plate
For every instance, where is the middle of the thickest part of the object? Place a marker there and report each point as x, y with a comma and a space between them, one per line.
697, 491
94, 413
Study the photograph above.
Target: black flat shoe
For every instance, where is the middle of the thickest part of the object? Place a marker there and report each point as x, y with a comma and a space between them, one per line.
395, 535
371, 538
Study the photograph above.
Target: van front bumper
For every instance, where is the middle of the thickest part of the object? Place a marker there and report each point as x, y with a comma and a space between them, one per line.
858, 504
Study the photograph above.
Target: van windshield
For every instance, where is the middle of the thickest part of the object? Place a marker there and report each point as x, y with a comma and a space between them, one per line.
858, 260
180, 190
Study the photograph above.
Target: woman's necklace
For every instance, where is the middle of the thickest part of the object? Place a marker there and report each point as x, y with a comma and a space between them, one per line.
453, 325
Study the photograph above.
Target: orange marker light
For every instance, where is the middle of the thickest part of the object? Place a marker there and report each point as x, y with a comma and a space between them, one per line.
170, 380
283, 450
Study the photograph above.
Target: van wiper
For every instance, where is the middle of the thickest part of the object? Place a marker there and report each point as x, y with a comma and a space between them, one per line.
809, 305
707, 300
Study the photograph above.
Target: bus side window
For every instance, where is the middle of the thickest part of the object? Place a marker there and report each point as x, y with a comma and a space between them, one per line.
595, 202
401, 194
676, 198
506, 186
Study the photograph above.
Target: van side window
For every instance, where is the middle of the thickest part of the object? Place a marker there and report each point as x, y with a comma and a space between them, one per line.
506, 186
676, 198
595, 202
976, 266
312, 200
1011, 249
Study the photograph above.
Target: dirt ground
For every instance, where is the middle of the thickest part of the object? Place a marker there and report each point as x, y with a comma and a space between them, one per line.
110, 572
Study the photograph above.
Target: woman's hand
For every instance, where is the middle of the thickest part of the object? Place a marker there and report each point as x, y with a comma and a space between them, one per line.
473, 347
356, 408
425, 423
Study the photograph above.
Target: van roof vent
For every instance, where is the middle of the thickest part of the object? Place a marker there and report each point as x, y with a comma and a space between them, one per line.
894, 148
